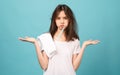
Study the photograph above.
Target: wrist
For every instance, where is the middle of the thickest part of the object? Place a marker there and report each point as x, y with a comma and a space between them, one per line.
84, 45
35, 41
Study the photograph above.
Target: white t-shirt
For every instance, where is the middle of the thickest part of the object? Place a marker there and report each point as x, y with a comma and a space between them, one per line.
61, 62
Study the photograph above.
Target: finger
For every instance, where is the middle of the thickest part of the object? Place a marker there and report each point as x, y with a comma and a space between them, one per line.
22, 39
96, 41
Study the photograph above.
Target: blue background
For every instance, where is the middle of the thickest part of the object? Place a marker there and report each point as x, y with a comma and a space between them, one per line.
97, 19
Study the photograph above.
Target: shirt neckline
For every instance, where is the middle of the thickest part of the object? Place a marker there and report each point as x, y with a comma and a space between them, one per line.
60, 41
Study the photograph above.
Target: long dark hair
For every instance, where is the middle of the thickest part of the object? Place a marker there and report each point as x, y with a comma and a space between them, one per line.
71, 30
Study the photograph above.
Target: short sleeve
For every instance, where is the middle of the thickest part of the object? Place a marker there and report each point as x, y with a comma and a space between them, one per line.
76, 47
40, 43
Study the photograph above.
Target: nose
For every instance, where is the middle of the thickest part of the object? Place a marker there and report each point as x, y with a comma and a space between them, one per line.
62, 21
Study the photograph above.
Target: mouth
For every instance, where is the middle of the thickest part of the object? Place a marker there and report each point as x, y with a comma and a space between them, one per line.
61, 27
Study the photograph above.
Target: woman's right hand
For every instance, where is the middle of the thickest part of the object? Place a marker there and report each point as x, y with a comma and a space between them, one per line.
91, 42
28, 39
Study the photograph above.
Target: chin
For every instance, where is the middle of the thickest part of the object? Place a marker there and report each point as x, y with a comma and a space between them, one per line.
60, 28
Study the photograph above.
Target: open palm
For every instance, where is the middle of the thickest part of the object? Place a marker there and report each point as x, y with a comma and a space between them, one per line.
27, 39
90, 42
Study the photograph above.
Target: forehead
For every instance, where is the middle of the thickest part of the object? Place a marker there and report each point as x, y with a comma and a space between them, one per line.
62, 14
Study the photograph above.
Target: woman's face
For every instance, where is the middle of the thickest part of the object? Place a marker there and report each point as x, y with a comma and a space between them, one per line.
62, 20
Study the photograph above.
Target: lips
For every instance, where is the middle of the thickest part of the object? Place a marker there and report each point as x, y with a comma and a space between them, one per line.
61, 27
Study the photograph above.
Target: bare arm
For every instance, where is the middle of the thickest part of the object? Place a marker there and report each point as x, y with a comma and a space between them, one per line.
76, 60
42, 57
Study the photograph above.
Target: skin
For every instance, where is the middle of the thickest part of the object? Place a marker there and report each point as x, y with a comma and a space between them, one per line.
61, 22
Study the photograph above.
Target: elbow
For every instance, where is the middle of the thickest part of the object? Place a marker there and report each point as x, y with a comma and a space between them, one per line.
43, 64
75, 67
44, 67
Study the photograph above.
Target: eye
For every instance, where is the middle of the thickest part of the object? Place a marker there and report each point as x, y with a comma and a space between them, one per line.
58, 18
65, 18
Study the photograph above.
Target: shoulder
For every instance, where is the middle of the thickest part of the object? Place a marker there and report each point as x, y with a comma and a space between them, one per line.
75, 42
44, 35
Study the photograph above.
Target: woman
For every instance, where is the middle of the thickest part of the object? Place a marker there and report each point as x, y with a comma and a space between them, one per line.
69, 54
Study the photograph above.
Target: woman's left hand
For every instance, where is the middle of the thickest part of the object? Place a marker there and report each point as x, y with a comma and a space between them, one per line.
91, 42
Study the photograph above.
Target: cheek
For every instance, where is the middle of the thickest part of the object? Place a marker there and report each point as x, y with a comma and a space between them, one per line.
57, 22
67, 22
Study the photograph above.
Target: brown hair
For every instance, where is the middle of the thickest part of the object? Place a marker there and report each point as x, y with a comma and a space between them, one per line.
71, 30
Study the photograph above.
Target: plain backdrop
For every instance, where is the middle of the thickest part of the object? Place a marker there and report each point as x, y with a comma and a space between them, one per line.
97, 19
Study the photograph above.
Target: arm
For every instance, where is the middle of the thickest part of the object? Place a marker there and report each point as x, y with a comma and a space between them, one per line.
76, 60
42, 57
